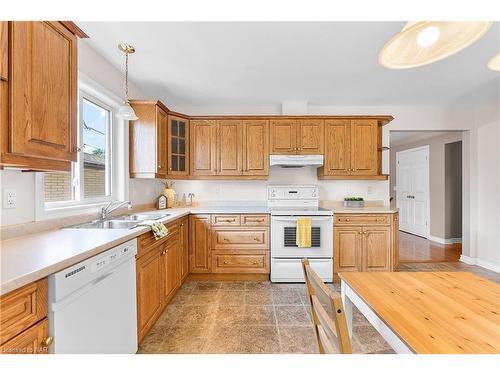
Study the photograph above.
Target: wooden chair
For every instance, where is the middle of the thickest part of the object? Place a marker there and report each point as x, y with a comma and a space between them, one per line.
331, 329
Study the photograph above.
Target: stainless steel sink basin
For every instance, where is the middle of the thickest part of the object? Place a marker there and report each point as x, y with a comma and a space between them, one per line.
107, 224
141, 217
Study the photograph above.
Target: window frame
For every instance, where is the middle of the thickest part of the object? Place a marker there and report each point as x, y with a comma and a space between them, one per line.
116, 143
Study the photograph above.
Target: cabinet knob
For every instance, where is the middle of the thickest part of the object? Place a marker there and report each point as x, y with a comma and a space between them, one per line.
46, 342
225, 239
225, 262
347, 219
360, 232
170, 168
255, 262
255, 239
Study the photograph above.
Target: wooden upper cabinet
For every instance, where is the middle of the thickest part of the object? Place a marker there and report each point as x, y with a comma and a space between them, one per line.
293, 136
284, 136
364, 147
229, 147
310, 137
148, 140
199, 244
161, 141
178, 146
4, 50
338, 147
255, 147
203, 147
42, 90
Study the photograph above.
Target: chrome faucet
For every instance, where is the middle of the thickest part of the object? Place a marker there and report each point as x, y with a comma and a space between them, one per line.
105, 211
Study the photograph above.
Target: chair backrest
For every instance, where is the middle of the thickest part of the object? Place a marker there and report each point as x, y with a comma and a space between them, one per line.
331, 329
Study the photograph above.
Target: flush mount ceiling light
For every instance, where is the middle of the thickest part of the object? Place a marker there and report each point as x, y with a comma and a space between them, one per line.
424, 42
126, 112
494, 63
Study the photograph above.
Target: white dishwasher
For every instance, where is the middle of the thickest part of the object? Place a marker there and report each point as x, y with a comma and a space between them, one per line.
92, 305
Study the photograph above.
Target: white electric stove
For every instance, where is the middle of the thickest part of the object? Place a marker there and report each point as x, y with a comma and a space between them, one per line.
287, 203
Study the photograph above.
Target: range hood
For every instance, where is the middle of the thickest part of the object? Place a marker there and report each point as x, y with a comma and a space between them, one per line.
296, 161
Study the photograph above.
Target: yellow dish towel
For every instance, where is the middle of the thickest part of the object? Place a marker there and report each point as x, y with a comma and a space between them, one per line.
303, 235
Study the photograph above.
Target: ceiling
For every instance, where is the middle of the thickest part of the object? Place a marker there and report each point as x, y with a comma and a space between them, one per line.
259, 63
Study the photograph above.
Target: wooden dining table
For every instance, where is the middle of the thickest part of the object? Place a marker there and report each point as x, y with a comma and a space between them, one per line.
427, 312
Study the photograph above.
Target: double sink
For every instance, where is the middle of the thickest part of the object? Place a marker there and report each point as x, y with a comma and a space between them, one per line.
120, 222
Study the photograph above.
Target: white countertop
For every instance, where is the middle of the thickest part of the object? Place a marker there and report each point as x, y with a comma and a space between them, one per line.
29, 258
365, 210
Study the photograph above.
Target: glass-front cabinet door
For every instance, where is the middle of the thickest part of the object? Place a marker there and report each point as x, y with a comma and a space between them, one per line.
178, 146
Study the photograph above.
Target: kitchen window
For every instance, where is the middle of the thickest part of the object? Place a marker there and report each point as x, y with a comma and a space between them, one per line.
94, 178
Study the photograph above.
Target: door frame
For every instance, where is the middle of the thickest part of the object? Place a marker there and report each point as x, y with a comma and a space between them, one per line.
427, 190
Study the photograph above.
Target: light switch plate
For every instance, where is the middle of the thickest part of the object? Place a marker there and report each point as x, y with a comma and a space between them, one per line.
9, 199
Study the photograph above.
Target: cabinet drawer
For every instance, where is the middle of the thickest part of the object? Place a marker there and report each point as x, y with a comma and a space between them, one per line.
22, 308
147, 240
32, 341
243, 238
362, 219
255, 220
240, 263
225, 220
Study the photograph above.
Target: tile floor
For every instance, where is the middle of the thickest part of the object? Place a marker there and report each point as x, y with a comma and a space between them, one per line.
258, 317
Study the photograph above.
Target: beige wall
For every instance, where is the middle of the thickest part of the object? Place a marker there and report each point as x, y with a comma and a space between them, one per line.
436, 176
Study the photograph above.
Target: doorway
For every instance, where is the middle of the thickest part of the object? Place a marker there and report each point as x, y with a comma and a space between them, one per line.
412, 181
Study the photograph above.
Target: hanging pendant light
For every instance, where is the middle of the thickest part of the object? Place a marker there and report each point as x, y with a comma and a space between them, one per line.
424, 42
494, 63
126, 112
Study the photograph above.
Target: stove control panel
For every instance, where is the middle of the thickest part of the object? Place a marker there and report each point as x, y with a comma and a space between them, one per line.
292, 192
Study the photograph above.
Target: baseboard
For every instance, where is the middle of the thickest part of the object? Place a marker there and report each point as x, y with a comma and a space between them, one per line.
444, 241
228, 277
481, 263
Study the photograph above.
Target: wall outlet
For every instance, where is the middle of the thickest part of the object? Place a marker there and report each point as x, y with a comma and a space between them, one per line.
369, 190
9, 199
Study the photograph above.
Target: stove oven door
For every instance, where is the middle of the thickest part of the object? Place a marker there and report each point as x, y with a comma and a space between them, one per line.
283, 238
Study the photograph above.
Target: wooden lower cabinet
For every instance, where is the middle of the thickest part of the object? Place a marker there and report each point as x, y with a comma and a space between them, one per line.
365, 242
199, 244
233, 245
34, 340
24, 328
149, 289
184, 247
159, 270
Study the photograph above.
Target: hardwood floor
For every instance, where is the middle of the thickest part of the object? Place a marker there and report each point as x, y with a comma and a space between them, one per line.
415, 249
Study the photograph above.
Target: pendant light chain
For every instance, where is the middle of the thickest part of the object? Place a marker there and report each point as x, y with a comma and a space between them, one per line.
126, 75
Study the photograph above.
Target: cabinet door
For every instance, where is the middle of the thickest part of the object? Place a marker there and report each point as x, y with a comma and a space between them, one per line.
337, 147
31, 341
149, 289
203, 147
184, 248
178, 146
347, 249
376, 249
43, 90
170, 260
395, 241
310, 137
4, 50
161, 141
364, 143
283, 137
199, 243
256, 147
230, 147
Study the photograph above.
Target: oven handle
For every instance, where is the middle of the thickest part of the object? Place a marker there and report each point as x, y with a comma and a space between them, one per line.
315, 218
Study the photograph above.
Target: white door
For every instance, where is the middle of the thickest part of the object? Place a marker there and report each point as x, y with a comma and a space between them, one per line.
412, 186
